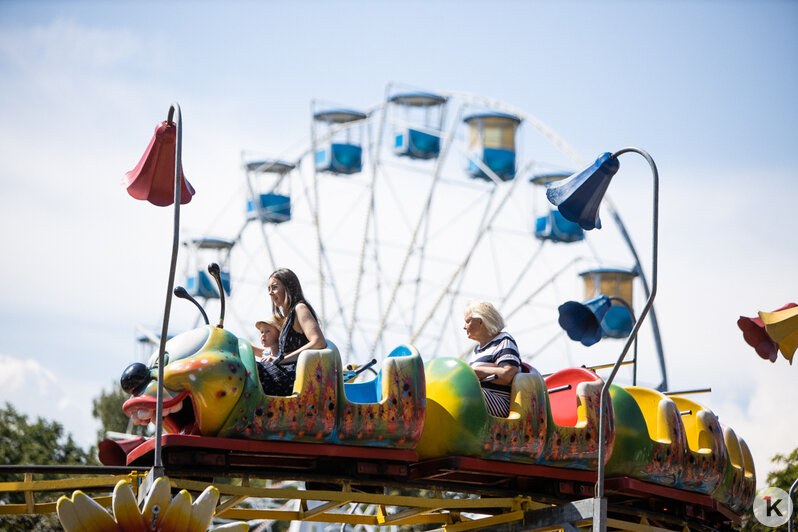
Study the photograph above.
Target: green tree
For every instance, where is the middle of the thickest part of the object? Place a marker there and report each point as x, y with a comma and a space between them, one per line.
40, 442
781, 478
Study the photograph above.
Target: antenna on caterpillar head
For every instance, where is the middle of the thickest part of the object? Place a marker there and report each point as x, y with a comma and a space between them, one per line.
183, 294
216, 272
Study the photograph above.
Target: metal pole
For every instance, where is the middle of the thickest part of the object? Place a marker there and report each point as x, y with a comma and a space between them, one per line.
789, 494
634, 359
600, 524
157, 468
663, 385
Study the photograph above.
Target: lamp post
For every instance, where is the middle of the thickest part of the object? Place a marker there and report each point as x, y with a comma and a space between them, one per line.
578, 199
157, 468
151, 180
789, 494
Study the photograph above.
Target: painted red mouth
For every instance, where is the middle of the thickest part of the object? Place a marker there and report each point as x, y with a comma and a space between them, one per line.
178, 413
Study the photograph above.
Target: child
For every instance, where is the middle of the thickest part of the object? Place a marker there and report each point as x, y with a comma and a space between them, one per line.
269, 336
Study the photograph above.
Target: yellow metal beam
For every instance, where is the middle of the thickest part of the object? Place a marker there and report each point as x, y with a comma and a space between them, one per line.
29, 494
230, 502
405, 514
346, 496
65, 483
309, 514
43, 507
486, 521
345, 518
285, 515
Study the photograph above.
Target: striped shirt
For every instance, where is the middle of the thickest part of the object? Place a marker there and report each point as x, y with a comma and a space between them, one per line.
501, 351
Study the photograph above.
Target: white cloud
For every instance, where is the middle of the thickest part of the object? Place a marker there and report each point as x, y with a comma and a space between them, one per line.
66, 47
36, 391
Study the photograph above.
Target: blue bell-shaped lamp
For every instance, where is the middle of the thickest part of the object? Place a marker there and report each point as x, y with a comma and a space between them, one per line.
578, 198
582, 321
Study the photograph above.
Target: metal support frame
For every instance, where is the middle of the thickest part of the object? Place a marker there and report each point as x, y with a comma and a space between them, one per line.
789, 494
502, 512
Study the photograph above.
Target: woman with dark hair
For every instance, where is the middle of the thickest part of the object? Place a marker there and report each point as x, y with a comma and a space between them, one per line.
300, 332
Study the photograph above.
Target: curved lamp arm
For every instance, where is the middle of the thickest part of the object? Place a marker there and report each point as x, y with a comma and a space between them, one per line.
633, 335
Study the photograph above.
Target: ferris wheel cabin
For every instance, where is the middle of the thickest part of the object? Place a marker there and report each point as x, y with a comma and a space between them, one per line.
273, 207
341, 152
419, 137
554, 226
491, 145
203, 251
618, 322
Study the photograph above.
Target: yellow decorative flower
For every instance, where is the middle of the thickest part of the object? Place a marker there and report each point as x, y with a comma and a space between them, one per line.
159, 514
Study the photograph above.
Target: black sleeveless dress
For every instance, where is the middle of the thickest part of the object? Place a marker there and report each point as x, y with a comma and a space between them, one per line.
278, 379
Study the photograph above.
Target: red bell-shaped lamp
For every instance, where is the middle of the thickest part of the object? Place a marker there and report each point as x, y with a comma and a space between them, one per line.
153, 177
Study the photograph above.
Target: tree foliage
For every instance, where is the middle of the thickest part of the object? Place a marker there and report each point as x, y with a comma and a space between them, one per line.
39, 442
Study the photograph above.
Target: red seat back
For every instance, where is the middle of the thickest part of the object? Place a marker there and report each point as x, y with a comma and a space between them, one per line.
563, 404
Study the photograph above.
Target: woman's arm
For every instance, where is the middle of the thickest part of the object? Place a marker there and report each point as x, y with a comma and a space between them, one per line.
504, 374
310, 328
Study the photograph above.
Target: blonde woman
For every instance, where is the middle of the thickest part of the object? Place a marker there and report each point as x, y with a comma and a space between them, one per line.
495, 359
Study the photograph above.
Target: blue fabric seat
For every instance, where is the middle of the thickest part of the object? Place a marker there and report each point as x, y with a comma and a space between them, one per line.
340, 158
202, 285
371, 391
500, 161
275, 208
417, 144
617, 322
555, 227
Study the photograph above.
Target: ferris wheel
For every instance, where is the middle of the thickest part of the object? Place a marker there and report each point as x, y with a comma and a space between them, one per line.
396, 215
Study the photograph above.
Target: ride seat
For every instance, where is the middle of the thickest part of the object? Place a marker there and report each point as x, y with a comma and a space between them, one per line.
566, 408
699, 437
371, 391
748, 461
660, 413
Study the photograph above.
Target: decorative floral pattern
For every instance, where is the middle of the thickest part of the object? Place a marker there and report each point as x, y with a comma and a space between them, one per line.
577, 446
395, 421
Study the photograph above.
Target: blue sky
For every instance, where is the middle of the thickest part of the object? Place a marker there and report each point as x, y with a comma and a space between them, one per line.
708, 88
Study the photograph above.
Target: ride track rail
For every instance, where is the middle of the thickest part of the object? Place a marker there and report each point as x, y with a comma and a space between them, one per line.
457, 493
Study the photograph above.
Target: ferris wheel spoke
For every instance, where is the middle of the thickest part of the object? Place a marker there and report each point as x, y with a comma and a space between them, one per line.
464, 264
375, 149
425, 212
522, 273
261, 217
546, 344
544, 285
